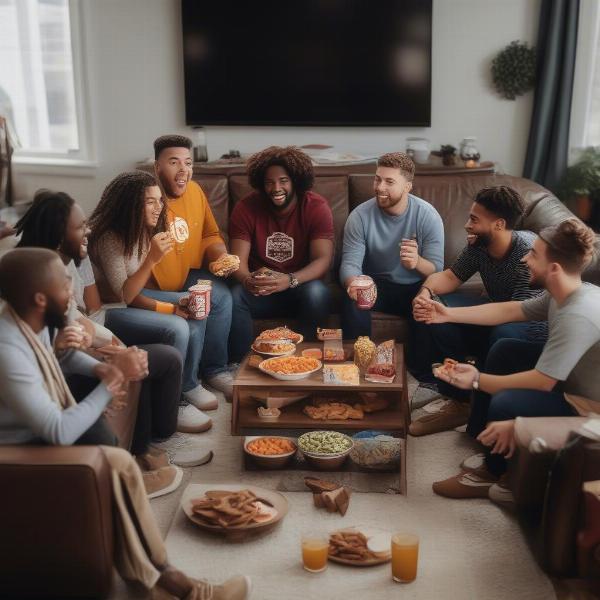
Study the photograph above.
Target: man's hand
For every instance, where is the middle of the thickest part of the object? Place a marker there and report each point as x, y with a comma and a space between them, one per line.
462, 376
112, 378
500, 435
181, 307
429, 311
161, 244
350, 290
409, 254
72, 337
132, 362
266, 286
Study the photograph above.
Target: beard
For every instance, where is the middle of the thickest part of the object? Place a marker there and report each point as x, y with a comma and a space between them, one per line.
55, 317
388, 202
537, 282
483, 240
286, 202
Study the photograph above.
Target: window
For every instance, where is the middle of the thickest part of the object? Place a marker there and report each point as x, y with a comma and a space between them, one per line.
40, 84
585, 108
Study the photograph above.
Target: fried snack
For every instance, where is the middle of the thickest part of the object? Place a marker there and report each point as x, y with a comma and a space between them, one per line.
337, 500
349, 544
280, 333
364, 351
312, 353
228, 509
274, 347
225, 265
333, 410
447, 367
371, 402
270, 446
320, 485
286, 365
255, 360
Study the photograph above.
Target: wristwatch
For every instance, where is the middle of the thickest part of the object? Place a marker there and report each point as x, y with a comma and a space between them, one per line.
294, 283
475, 384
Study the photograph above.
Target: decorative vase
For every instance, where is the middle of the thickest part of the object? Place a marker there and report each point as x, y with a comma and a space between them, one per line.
469, 152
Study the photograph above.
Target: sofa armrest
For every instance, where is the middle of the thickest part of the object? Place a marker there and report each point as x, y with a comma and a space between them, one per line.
56, 521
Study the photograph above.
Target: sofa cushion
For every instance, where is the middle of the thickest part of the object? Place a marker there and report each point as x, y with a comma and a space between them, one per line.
217, 191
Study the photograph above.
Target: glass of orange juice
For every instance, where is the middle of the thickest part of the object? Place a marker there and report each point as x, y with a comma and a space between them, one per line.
405, 557
315, 548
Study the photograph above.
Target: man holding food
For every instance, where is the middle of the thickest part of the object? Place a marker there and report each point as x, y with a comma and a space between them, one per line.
529, 378
395, 238
283, 235
198, 253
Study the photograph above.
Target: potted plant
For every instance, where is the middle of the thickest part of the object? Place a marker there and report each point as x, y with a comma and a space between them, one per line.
581, 183
448, 153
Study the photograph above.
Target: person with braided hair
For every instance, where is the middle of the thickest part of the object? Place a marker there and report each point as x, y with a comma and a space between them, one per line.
525, 378
495, 250
283, 235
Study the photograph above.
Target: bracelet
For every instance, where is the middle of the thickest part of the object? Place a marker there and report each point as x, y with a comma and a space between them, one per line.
166, 308
424, 287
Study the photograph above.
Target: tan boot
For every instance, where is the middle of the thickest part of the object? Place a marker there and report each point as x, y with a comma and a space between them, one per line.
162, 481
152, 460
236, 588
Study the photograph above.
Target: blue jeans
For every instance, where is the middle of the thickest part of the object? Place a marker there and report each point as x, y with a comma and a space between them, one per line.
309, 302
202, 344
505, 357
459, 341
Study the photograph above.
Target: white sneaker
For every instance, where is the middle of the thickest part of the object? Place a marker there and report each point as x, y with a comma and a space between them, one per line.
201, 398
185, 450
223, 382
192, 420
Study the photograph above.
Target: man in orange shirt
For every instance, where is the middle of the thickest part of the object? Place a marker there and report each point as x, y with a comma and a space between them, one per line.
198, 248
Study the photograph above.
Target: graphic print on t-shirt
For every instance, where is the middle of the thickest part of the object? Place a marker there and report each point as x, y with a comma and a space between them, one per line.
279, 247
179, 230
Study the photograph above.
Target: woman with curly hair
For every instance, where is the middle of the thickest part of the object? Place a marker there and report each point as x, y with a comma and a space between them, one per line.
283, 235
128, 239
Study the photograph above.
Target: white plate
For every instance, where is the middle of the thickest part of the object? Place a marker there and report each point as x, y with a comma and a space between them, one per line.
290, 376
292, 341
274, 354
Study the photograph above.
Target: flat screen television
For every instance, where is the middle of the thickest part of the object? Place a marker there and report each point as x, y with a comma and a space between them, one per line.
308, 62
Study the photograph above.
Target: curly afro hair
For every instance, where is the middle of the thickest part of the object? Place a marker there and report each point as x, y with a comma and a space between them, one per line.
296, 163
504, 202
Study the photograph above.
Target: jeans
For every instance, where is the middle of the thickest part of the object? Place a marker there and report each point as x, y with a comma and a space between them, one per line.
459, 341
202, 344
505, 357
159, 397
392, 298
309, 302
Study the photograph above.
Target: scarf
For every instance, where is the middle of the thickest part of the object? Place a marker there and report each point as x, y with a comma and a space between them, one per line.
54, 380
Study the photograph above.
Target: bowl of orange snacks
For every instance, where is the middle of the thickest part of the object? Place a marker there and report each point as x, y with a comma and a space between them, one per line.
269, 451
290, 368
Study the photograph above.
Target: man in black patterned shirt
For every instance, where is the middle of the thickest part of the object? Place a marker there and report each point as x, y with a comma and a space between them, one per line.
494, 250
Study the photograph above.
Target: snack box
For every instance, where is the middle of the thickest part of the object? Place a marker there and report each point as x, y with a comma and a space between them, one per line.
333, 350
344, 374
329, 334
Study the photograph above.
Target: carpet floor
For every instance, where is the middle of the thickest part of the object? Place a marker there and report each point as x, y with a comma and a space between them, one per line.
469, 549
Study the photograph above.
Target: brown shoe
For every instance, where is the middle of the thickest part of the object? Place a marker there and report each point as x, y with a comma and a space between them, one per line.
152, 460
450, 415
467, 484
236, 588
162, 481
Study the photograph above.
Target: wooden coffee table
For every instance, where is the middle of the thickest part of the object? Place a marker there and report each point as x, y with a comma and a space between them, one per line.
251, 383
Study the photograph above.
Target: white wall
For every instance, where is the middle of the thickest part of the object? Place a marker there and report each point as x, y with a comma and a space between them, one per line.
133, 52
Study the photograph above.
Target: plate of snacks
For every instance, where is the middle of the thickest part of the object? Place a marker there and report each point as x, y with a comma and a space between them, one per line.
360, 547
290, 368
280, 333
325, 450
270, 451
233, 510
273, 347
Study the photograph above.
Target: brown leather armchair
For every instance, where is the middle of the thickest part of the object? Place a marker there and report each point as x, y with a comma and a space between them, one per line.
56, 516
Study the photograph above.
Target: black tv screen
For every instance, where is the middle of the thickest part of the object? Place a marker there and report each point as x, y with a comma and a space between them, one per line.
309, 62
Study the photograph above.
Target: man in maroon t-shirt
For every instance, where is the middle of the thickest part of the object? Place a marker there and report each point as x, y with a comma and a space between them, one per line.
283, 234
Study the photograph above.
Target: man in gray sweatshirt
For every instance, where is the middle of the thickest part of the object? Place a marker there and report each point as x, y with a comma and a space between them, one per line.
396, 238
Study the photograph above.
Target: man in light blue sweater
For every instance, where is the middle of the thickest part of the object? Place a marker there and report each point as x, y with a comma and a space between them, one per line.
396, 238
36, 287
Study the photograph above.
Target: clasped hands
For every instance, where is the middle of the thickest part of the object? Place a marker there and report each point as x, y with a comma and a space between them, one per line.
260, 284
